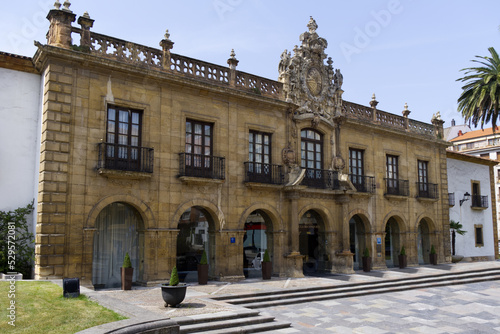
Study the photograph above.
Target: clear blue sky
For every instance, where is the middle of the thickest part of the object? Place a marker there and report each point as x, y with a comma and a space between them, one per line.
401, 50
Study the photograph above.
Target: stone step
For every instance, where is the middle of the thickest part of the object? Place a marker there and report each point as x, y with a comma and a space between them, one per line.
308, 290
362, 292
219, 316
276, 298
225, 324
270, 327
241, 321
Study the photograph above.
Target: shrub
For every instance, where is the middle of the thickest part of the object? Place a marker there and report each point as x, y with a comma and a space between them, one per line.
366, 253
204, 258
126, 262
174, 277
266, 257
403, 251
16, 242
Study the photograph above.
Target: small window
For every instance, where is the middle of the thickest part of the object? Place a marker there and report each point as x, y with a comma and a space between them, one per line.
478, 234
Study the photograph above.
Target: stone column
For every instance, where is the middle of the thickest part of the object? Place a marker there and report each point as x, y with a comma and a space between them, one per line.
373, 104
85, 23
438, 125
229, 255
167, 45
88, 255
60, 26
406, 113
293, 258
232, 62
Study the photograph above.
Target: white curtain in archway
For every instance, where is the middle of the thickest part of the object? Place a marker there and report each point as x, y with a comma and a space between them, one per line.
117, 233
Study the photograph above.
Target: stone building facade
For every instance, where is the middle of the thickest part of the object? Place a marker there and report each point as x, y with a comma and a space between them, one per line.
163, 156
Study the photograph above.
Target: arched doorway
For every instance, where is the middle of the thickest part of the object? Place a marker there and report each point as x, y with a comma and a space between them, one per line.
424, 242
392, 242
119, 230
195, 236
357, 237
257, 239
312, 242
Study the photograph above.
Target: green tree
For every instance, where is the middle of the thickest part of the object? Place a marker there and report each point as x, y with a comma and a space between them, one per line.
16, 242
455, 227
479, 102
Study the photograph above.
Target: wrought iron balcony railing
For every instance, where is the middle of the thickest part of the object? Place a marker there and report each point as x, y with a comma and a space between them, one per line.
396, 187
478, 201
204, 166
363, 184
264, 173
427, 190
321, 179
125, 157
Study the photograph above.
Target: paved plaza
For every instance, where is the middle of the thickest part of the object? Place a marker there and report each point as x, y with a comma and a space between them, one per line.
462, 308
470, 308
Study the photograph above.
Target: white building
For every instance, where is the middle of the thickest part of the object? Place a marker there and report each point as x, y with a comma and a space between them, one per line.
19, 132
482, 143
472, 204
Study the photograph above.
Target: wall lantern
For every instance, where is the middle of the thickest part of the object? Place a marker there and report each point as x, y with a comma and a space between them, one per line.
466, 198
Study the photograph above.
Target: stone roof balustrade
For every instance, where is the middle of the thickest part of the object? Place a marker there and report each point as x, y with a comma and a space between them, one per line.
358, 111
391, 120
364, 113
140, 55
421, 128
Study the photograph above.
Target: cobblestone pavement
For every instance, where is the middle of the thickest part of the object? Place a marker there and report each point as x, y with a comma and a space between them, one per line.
470, 308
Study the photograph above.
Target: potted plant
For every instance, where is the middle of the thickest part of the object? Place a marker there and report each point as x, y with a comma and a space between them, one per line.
402, 258
433, 256
127, 273
267, 266
174, 292
455, 227
367, 260
203, 269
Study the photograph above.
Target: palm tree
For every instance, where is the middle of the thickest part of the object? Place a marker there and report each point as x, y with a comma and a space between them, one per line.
455, 227
480, 99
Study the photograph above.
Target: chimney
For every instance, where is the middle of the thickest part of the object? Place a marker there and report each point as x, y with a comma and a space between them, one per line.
452, 122
460, 133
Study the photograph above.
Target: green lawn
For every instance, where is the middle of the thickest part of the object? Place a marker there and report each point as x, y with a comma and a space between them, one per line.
41, 308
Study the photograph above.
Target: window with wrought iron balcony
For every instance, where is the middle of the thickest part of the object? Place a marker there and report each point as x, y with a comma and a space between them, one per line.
122, 150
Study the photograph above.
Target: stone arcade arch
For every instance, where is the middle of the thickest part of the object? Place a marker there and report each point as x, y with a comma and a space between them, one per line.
196, 234
394, 231
425, 231
359, 228
119, 230
257, 239
312, 242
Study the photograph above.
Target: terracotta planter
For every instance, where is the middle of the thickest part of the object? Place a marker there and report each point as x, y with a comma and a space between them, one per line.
367, 263
173, 295
433, 258
403, 261
127, 274
202, 274
267, 270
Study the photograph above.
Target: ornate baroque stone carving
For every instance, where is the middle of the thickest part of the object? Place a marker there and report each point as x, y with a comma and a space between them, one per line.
307, 81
